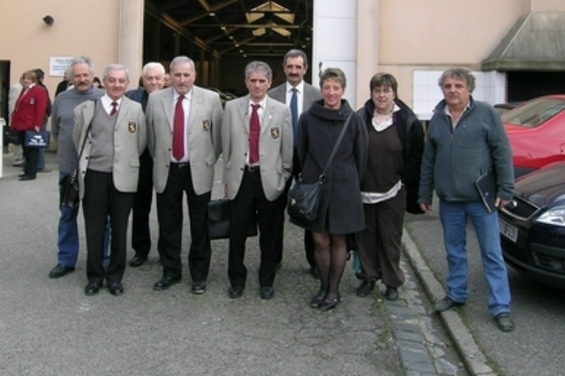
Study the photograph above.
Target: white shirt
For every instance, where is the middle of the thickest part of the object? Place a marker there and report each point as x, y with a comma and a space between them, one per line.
299, 96
107, 103
186, 110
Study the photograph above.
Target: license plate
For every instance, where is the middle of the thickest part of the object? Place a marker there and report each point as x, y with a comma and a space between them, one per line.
509, 231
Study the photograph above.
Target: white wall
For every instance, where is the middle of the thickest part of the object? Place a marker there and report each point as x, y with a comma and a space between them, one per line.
334, 41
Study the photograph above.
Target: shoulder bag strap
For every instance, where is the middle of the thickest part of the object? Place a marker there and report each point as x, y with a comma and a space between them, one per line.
338, 142
86, 135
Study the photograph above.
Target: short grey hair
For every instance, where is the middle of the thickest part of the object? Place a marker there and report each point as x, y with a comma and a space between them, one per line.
115, 67
182, 59
259, 67
335, 74
459, 74
153, 65
79, 60
296, 53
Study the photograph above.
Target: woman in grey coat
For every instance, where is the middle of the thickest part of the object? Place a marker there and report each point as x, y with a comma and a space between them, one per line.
341, 210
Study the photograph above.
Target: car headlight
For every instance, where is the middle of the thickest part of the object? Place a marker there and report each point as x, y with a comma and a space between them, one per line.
554, 216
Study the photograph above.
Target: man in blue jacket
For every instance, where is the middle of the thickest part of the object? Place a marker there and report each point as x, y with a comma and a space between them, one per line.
153, 78
466, 139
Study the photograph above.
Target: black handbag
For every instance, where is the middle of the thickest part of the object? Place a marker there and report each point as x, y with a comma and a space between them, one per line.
304, 199
12, 136
37, 140
69, 190
219, 215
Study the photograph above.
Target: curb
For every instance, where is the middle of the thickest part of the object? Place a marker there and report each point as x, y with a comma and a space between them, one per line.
473, 358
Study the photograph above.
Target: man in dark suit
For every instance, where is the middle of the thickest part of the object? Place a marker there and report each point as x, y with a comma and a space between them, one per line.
295, 65
184, 139
108, 174
153, 78
257, 152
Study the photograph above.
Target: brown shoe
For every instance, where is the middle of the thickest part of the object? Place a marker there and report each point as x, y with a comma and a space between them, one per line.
46, 169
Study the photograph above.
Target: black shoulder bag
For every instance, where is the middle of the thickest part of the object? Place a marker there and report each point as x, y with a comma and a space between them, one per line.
69, 193
304, 199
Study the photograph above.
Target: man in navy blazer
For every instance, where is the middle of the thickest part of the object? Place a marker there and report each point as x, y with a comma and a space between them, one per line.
295, 65
153, 78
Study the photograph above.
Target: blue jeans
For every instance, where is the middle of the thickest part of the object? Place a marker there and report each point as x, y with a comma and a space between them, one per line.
67, 239
453, 216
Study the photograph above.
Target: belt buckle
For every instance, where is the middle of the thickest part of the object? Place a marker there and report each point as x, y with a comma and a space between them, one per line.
252, 168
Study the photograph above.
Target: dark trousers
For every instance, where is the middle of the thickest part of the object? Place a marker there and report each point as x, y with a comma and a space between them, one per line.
380, 243
102, 200
251, 199
31, 156
170, 216
140, 231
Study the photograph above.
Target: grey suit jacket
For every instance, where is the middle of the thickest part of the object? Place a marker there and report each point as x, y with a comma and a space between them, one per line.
275, 146
130, 139
311, 94
204, 131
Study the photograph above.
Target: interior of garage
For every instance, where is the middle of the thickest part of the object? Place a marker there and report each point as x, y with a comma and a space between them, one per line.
222, 36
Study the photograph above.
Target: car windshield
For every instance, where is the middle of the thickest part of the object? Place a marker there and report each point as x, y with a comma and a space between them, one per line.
534, 113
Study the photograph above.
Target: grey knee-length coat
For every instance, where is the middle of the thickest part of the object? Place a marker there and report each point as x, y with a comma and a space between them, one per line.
341, 210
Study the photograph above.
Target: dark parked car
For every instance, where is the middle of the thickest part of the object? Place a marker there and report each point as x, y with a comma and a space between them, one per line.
536, 131
533, 228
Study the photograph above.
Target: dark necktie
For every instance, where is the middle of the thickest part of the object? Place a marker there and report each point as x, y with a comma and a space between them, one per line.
294, 112
114, 109
178, 130
254, 131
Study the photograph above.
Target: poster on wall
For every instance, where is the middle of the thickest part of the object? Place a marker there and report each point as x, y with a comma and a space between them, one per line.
58, 65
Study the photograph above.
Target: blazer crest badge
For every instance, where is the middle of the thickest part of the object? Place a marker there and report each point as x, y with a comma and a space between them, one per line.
132, 127
275, 132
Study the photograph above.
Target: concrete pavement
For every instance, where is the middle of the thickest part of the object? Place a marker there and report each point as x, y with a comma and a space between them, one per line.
49, 327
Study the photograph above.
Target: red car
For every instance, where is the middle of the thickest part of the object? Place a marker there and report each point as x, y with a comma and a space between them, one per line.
536, 131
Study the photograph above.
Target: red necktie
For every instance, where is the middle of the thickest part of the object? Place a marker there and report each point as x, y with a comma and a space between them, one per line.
254, 131
178, 130
114, 109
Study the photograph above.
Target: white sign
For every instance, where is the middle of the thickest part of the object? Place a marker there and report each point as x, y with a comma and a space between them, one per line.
58, 65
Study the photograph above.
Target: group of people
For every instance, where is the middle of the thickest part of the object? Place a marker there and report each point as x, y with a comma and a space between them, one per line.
169, 139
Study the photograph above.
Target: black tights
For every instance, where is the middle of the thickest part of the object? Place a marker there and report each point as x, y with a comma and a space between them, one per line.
330, 253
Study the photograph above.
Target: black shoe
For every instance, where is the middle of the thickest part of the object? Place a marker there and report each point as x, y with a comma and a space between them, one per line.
314, 272
318, 299
365, 288
328, 303
60, 270
198, 287
21, 175
137, 261
445, 304
503, 322
165, 282
116, 288
26, 178
92, 288
236, 291
391, 293
267, 292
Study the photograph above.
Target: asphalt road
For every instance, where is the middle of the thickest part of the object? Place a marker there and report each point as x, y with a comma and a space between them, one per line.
536, 345
50, 327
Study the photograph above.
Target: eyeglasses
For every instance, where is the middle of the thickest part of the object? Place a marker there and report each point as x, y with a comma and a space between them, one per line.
386, 91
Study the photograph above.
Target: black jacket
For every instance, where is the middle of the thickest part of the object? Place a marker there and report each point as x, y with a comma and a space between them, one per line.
411, 135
